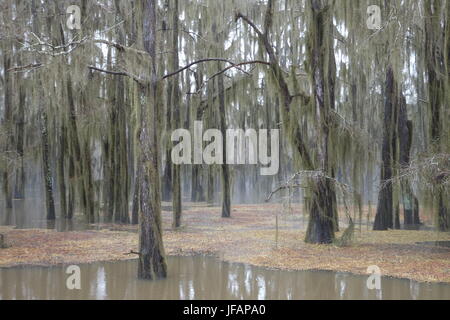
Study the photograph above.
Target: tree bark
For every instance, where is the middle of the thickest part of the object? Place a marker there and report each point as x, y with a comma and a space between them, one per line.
152, 262
436, 67
226, 188
19, 186
322, 216
48, 179
166, 187
121, 175
3, 244
43, 125
61, 170
176, 169
7, 120
409, 200
386, 210
135, 206
226, 192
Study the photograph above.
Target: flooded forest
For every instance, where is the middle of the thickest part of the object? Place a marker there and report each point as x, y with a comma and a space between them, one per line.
285, 149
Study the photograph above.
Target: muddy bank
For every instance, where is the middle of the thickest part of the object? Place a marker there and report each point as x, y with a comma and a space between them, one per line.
249, 237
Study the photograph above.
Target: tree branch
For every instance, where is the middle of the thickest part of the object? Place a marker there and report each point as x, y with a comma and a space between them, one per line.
268, 18
284, 187
25, 68
239, 15
133, 252
119, 73
120, 47
228, 68
233, 65
264, 38
74, 43
287, 97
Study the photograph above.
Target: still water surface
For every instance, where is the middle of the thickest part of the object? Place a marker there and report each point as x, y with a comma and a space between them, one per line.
205, 278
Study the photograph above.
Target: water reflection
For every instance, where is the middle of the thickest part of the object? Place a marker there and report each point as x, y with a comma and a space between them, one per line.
204, 278
31, 213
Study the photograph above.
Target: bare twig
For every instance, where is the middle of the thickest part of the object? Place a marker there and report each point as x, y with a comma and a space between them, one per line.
133, 252
228, 68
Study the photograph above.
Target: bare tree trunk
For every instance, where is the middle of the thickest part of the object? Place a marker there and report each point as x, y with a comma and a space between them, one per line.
176, 170
119, 147
108, 151
7, 121
385, 208
3, 244
409, 200
167, 177
226, 187
19, 186
43, 123
88, 185
135, 206
166, 188
197, 191
61, 170
48, 179
71, 196
210, 185
226, 192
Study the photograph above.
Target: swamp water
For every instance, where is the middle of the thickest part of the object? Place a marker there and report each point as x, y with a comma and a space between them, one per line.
189, 277
201, 277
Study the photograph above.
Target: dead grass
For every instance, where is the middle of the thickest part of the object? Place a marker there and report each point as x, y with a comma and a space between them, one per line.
248, 237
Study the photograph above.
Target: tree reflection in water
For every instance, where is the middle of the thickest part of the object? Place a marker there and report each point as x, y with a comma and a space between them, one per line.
205, 278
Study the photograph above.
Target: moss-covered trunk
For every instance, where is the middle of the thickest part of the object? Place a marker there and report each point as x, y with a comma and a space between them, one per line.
19, 186
226, 188
176, 121
62, 141
322, 214
405, 133
321, 219
7, 121
119, 146
152, 262
384, 218
48, 179
437, 69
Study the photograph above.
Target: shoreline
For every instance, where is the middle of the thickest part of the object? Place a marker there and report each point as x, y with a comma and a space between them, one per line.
212, 256
249, 237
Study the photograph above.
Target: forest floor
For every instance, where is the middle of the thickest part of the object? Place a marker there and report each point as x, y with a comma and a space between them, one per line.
250, 236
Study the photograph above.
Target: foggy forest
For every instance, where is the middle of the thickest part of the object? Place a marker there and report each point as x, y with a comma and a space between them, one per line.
154, 137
